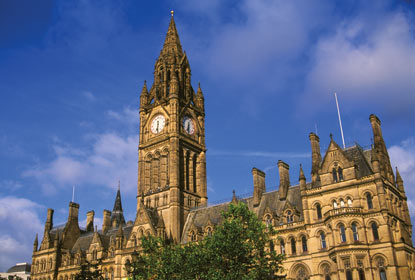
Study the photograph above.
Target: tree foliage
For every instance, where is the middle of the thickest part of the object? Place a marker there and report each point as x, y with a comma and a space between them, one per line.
89, 271
237, 249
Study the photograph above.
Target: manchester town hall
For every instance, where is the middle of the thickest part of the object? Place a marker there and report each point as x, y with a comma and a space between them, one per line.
349, 220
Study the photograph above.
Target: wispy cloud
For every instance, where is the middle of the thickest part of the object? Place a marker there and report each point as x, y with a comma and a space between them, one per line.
105, 159
17, 216
365, 61
88, 96
279, 155
403, 156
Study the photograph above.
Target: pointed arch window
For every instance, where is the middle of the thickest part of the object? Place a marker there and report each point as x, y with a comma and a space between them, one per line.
361, 274
369, 201
282, 247
341, 203
349, 275
293, 247
334, 173
334, 204
318, 210
355, 233
375, 231
304, 244
342, 233
340, 172
349, 202
268, 220
323, 240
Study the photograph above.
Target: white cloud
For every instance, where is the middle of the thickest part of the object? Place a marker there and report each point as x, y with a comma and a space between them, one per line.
19, 217
10, 185
403, 156
88, 95
366, 61
108, 157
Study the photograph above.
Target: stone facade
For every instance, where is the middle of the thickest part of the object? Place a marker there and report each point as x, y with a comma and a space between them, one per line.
351, 221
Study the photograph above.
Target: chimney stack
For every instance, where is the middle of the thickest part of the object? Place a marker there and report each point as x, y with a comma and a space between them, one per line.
90, 220
259, 185
315, 157
106, 224
283, 169
73, 211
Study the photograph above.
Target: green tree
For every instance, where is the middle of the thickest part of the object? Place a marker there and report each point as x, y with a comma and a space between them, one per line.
90, 271
237, 249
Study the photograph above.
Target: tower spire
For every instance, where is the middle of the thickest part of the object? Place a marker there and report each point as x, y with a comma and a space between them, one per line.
172, 46
117, 216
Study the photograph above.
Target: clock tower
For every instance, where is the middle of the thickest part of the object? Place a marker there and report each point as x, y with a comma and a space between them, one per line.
171, 151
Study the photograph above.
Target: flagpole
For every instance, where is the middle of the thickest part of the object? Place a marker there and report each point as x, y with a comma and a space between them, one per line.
340, 120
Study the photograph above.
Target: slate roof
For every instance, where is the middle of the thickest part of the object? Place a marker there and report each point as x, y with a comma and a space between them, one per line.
199, 218
20, 267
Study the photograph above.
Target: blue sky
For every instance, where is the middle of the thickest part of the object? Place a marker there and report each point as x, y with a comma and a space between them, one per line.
71, 73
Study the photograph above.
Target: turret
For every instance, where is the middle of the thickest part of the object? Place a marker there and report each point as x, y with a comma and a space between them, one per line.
315, 157
283, 169
259, 185
380, 148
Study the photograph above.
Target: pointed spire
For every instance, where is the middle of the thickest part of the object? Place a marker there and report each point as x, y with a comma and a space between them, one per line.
399, 181
172, 44
302, 176
35, 244
117, 203
144, 95
117, 216
199, 91
234, 198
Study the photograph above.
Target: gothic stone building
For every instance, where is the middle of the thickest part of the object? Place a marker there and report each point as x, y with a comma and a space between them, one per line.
351, 221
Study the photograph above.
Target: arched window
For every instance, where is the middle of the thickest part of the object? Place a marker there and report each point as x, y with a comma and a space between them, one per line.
382, 274
304, 244
341, 203
340, 171
334, 204
349, 202
375, 231
282, 247
349, 275
369, 201
323, 240
327, 277
289, 217
342, 233
318, 210
293, 247
334, 175
111, 274
355, 233
361, 274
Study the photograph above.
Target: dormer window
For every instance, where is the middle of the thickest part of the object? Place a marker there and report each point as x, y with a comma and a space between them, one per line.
290, 218
337, 173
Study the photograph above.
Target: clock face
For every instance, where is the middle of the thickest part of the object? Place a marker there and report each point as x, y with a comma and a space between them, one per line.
188, 125
157, 124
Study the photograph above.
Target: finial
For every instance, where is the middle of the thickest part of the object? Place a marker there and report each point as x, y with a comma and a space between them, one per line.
172, 13
234, 199
119, 183
331, 136
198, 84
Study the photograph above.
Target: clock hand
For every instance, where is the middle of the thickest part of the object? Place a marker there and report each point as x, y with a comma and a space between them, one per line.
157, 126
188, 127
